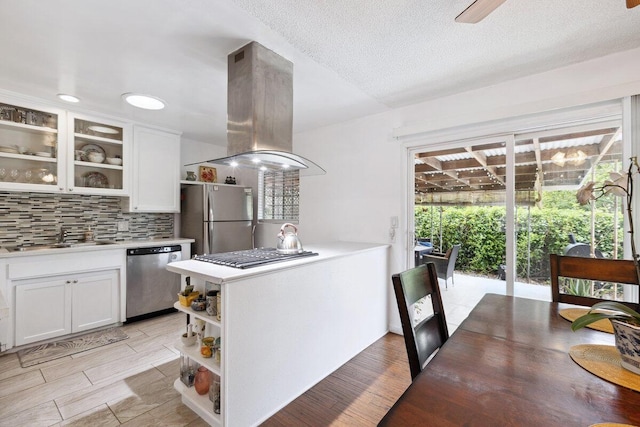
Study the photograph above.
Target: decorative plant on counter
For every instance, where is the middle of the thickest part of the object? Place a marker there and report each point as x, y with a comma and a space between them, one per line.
621, 185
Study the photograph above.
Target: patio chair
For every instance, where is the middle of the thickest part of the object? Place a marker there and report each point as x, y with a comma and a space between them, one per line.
445, 263
428, 335
597, 269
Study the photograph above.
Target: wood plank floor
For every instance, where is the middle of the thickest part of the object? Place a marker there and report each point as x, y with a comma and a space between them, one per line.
130, 383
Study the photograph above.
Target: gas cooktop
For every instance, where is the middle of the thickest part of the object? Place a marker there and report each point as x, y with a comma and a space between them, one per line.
250, 258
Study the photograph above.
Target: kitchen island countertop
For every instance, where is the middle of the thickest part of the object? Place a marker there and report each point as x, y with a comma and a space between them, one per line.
220, 274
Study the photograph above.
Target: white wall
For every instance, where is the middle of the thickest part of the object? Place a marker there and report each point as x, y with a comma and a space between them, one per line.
361, 191
605, 78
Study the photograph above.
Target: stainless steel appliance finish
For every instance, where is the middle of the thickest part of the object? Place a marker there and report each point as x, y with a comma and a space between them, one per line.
259, 101
251, 258
288, 242
150, 287
260, 112
218, 217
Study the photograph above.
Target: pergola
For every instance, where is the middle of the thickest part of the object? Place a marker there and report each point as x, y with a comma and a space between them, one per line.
476, 174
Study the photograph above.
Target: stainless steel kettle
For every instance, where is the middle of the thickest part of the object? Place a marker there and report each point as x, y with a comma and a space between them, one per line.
288, 243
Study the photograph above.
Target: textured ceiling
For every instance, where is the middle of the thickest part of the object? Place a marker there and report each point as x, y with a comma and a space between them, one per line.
351, 58
404, 51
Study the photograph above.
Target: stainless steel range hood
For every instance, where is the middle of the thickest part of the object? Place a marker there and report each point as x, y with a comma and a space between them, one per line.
260, 113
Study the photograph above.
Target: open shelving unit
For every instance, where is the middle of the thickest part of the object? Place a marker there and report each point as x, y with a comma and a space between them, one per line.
201, 404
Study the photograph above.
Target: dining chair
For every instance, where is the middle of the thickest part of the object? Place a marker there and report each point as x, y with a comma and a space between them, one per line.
596, 269
422, 337
445, 263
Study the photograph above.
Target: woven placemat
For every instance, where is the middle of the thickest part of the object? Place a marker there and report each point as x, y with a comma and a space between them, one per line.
604, 362
611, 425
572, 314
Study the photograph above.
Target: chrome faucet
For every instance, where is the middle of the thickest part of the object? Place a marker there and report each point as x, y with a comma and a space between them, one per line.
62, 236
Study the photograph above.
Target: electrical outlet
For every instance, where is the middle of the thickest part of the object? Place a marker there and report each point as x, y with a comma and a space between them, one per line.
123, 225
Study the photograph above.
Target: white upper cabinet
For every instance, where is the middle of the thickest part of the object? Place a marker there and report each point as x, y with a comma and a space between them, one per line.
50, 150
98, 156
155, 169
32, 141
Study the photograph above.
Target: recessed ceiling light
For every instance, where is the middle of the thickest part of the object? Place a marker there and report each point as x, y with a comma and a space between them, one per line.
68, 98
144, 101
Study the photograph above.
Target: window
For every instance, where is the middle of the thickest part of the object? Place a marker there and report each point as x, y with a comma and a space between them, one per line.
279, 196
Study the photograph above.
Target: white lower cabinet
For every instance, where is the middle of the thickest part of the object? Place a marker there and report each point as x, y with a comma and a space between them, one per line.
43, 310
94, 301
51, 307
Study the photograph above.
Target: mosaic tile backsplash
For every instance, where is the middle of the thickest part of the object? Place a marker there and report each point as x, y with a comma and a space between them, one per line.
36, 218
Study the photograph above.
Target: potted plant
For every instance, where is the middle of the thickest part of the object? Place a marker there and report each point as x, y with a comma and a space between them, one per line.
625, 321
626, 327
619, 184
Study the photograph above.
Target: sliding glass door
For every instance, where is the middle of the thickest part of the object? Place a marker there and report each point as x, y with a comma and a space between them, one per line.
460, 200
555, 164
509, 201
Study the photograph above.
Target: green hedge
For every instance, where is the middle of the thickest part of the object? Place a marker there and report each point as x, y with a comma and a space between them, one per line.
481, 232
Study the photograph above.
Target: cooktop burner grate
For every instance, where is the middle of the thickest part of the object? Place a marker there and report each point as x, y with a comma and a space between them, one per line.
250, 258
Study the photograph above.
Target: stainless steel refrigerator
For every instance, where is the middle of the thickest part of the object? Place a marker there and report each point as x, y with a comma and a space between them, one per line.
218, 217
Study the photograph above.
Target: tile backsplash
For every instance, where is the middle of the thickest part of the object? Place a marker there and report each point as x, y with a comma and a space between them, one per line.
36, 218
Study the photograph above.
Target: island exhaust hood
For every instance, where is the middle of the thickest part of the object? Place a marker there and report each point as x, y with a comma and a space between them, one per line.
260, 113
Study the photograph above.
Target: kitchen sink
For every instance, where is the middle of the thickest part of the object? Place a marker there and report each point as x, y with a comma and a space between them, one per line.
57, 246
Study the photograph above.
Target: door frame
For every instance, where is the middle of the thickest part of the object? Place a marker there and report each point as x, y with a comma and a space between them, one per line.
504, 131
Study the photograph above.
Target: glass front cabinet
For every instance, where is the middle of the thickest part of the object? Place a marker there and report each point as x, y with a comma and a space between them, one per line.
31, 158
45, 149
97, 153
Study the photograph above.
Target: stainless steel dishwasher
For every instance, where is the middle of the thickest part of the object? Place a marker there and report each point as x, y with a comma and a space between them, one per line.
151, 289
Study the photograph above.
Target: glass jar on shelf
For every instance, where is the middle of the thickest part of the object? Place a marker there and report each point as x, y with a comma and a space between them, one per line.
188, 369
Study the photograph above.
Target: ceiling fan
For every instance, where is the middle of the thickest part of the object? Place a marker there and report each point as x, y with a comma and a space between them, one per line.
479, 9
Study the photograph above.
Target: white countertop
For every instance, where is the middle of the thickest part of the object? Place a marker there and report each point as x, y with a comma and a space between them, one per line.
221, 274
125, 244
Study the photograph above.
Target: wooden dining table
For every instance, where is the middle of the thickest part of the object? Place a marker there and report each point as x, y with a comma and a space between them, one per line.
508, 364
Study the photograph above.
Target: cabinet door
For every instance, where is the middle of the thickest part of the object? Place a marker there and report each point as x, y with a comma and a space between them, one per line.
95, 301
32, 149
43, 310
97, 156
156, 171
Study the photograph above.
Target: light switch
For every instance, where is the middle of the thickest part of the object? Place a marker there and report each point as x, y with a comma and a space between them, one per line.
394, 222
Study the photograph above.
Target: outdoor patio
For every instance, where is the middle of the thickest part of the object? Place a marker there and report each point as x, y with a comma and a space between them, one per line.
459, 299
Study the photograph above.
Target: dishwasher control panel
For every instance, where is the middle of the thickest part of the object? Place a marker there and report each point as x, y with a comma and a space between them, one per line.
153, 250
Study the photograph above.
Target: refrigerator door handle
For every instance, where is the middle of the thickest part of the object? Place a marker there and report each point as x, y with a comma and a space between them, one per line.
208, 236
253, 237
208, 207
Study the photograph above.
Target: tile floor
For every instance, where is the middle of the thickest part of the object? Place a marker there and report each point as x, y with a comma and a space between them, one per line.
131, 382
126, 383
